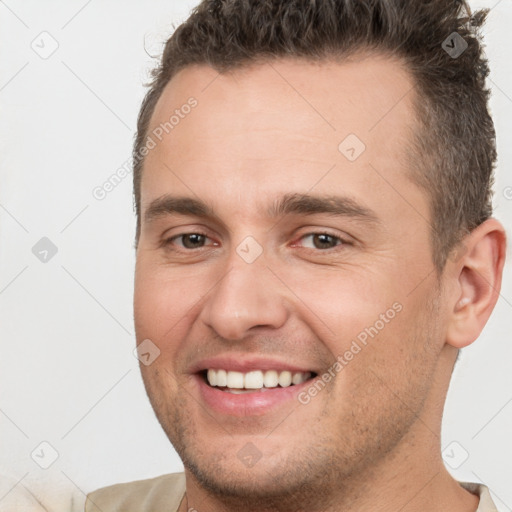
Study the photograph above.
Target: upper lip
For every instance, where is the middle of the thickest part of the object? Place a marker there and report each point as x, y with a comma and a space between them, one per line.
246, 364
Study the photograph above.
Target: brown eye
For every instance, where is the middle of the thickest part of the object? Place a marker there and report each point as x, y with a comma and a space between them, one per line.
321, 241
192, 240
324, 241
187, 241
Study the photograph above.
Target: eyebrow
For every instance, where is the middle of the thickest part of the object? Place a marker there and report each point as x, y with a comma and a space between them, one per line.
306, 204
168, 205
289, 204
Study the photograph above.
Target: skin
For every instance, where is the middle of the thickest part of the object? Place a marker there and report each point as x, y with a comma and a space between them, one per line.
370, 440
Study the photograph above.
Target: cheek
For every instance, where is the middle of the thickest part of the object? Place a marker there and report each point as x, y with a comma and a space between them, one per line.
370, 322
342, 301
163, 299
386, 378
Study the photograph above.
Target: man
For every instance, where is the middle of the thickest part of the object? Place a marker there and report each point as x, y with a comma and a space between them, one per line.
314, 246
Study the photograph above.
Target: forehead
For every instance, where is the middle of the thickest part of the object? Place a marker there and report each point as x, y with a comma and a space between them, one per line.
280, 125
365, 95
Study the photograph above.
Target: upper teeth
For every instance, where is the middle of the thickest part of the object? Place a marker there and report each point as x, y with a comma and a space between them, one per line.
256, 379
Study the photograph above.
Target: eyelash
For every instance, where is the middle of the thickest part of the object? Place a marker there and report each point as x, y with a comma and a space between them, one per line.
341, 241
169, 241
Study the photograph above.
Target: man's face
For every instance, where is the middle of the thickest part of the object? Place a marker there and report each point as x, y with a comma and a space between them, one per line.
266, 279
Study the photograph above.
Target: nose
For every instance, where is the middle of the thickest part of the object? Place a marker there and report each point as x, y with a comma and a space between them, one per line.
247, 296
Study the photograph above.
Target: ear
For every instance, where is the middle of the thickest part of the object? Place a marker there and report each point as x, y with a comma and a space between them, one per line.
477, 273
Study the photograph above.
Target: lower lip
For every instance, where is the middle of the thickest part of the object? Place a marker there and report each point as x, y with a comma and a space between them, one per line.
248, 404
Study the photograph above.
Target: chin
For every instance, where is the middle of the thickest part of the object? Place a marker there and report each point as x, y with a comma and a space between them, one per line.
265, 484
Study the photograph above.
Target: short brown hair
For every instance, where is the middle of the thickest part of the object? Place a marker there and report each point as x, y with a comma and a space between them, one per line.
453, 152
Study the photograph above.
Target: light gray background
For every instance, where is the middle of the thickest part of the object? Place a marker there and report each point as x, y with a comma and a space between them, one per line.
67, 373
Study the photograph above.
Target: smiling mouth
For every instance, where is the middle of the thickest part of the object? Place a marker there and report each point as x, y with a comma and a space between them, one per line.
254, 381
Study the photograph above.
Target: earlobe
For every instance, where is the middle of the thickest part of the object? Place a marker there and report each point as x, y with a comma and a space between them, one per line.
478, 274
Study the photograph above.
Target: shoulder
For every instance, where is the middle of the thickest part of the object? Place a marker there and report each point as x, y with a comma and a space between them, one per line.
163, 493
486, 504
34, 494
17, 497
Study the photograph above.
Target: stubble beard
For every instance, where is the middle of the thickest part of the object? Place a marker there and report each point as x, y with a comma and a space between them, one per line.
323, 463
